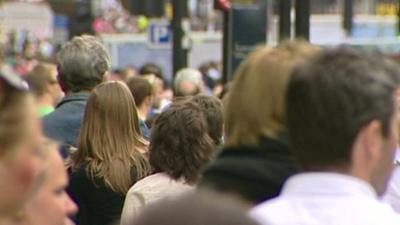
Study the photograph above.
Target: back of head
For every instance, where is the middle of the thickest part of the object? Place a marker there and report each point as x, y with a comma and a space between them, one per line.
213, 111
331, 98
83, 63
151, 68
180, 145
195, 209
40, 77
140, 89
188, 81
256, 103
110, 139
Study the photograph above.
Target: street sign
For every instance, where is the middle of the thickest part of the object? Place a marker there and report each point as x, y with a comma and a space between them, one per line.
160, 34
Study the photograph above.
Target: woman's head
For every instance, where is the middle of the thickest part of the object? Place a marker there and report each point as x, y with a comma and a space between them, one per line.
20, 139
51, 204
256, 105
180, 145
110, 139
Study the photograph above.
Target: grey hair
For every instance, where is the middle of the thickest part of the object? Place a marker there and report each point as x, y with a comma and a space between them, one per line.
188, 74
82, 63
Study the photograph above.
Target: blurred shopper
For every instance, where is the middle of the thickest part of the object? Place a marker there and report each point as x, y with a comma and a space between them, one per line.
128, 73
180, 148
83, 63
194, 209
342, 121
51, 204
392, 195
43, 83
110, 156
256, 159
142, 92
151, 68
21, 160
163, 94
212, 77
188, 81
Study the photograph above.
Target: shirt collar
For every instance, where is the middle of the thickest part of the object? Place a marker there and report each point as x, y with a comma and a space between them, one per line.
327, 184
397, 157
79, 96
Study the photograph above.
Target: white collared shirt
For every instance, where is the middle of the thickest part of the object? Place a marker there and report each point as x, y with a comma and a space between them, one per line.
325, 199
392, 195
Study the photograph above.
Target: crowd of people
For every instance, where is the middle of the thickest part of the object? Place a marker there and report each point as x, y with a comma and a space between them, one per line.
302, 135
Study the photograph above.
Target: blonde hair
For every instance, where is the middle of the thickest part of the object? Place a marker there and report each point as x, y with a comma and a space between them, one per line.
256, 104
110, 141
13, 116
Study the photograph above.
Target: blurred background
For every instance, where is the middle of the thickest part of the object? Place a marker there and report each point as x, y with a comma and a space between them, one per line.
139, 31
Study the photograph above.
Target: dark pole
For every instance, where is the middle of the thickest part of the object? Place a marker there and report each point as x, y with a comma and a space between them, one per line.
226, 48
285, 7
348, 9
303, 19
179, 54
398, 17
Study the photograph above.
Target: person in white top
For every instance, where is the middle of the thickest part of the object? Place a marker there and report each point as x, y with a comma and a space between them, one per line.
342, 122
392, 195
180, 148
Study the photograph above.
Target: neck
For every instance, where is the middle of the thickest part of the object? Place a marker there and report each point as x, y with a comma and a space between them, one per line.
46, 100
143, 112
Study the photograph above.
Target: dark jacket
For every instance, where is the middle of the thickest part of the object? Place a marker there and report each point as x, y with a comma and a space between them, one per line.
65, 122
98, 204
255, 173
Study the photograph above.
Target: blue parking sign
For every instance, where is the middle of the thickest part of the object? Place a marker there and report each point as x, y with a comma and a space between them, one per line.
160, 34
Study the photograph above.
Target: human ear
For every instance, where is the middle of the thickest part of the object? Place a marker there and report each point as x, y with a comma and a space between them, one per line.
368, 145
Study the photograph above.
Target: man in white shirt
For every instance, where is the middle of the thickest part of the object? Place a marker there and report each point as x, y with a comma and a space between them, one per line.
392, 195
342, 122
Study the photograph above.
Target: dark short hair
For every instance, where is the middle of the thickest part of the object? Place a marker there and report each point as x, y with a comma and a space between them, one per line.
82, 63
140, 89
212, 109
151, 68
206, 209
331, 98
180, 145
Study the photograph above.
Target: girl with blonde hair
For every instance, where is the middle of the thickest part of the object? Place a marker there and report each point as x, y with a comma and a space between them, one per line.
256, 159
110, 156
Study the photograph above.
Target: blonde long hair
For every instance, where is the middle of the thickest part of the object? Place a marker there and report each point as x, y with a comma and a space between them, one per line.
256, 104
110, 142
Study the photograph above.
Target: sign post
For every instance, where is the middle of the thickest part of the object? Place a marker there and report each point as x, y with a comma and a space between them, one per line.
180, 51
248, 28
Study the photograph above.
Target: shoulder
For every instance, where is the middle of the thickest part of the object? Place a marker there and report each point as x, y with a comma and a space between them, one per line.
246, 162
155, 187
152, 182
268, 212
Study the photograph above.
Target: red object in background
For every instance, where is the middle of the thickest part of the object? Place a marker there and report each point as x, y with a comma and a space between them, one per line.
224, 5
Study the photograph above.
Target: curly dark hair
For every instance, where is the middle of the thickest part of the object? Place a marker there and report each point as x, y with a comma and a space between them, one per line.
212, 109
180, 145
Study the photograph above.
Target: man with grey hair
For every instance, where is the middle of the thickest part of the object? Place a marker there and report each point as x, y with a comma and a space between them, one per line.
188, 81
83, 63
